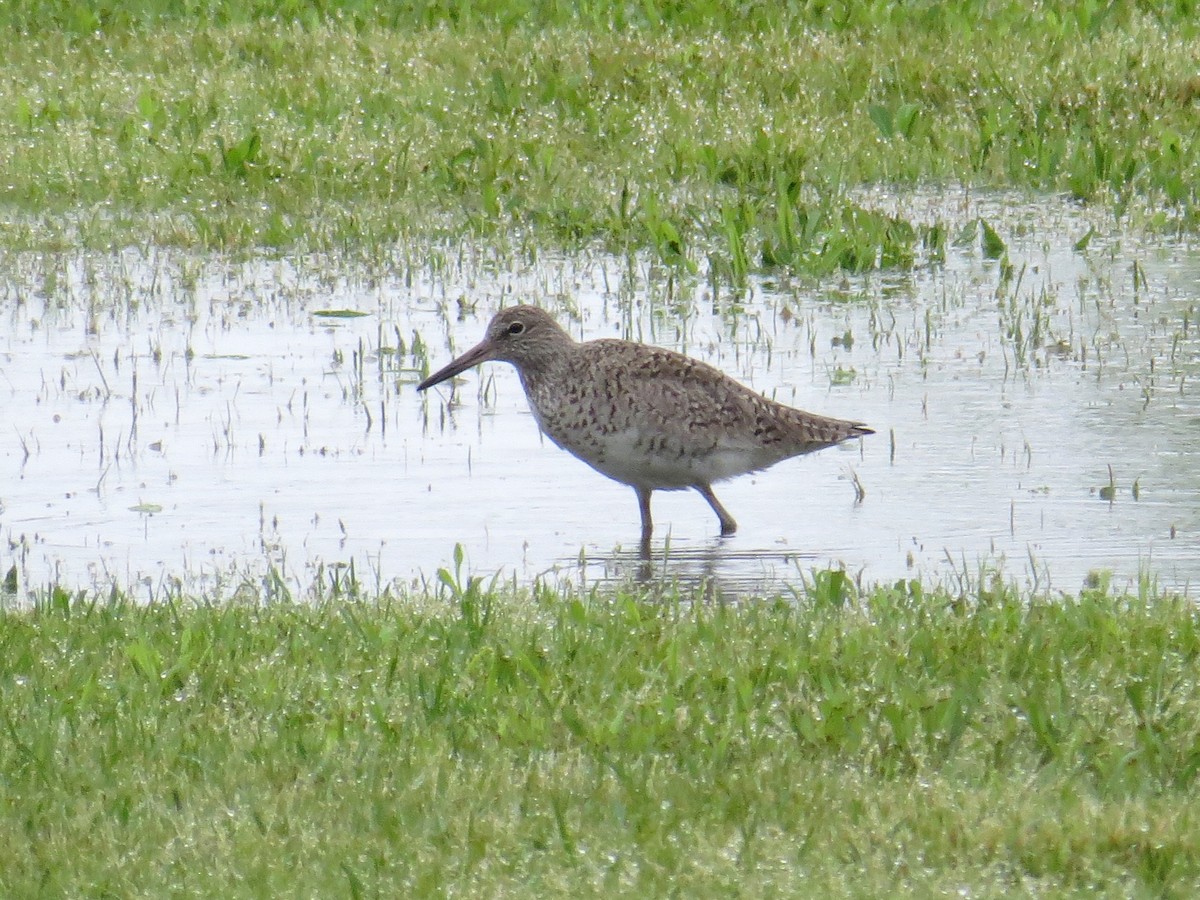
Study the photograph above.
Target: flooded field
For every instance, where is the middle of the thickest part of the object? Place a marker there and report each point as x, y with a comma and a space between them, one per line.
176, 419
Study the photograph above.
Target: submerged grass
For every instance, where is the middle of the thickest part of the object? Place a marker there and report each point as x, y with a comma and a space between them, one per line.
710, 130
901, 742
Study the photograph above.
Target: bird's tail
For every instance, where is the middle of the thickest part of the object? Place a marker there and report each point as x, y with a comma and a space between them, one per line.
821, 431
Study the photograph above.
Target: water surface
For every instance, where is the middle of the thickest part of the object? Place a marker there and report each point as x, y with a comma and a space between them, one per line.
180, 418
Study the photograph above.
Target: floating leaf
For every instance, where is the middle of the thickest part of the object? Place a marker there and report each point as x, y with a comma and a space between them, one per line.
993, 245
146, 508
1109, 491
967, 235
339, 314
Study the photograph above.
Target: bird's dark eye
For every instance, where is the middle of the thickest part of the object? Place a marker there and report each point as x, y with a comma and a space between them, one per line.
516, 327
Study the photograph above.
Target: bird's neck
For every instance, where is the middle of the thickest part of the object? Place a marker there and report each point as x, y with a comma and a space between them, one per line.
546, 375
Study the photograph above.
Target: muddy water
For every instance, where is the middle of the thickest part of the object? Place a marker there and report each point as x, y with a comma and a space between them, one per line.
173, 419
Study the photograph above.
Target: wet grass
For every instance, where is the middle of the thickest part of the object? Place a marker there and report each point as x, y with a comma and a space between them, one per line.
707, 133
895, 742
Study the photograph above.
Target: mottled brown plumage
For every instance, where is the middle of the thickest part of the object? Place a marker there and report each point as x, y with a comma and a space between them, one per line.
647, 417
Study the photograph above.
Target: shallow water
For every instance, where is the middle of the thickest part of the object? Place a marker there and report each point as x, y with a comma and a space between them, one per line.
175, 419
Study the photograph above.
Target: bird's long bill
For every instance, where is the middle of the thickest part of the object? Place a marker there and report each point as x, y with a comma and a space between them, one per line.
481, 352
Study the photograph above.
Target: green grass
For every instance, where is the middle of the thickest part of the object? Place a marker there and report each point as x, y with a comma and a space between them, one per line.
732, 133
901, 742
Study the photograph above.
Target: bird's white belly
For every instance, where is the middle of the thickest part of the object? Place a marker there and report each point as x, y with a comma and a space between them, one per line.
632, 457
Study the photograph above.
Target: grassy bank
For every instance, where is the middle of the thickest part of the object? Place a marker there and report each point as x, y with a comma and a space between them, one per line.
711, 130
899, 743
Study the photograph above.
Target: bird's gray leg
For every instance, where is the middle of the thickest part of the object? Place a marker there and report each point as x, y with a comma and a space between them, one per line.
728, 525
643, 495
